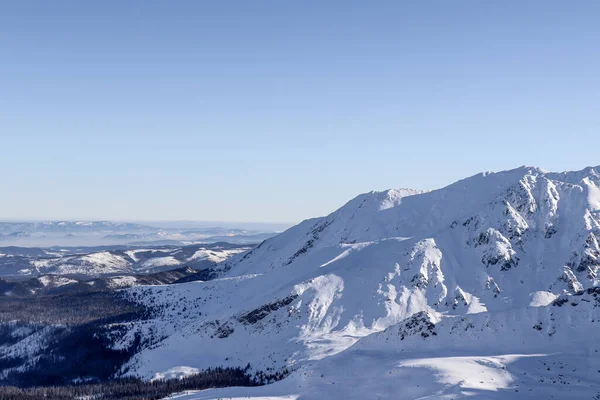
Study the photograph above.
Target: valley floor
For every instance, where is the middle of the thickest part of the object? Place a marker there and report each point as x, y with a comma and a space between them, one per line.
402, 375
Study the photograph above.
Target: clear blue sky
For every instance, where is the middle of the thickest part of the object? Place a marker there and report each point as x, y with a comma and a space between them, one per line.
283, 110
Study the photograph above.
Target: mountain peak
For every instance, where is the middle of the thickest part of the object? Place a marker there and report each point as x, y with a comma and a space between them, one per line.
485, 262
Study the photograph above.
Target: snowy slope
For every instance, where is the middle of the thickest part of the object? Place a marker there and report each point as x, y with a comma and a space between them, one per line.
530, 353
495, 248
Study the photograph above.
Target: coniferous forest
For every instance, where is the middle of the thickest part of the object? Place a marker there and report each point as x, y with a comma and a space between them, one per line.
79, 327
132, 388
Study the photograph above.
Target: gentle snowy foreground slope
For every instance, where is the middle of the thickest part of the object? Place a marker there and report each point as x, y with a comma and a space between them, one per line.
485, 288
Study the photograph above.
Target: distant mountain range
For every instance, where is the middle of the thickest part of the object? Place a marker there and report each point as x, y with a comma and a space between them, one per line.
53, 285
71, 226
91, 233
111, 260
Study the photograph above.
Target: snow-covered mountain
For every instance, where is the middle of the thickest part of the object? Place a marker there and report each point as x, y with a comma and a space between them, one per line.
494, 251
50, 285
93, 233
90, 262
487, 287
70, 226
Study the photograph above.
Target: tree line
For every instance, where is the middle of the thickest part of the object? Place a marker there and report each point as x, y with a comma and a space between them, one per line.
133, 388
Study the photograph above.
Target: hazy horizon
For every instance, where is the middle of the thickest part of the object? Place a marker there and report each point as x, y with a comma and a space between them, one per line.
158, 223
257, 224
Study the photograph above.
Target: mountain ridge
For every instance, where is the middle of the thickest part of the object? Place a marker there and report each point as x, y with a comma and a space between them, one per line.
494, 258
479, 269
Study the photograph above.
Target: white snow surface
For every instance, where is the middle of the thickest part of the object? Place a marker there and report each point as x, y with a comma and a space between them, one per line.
121, 281
130, 261
55, 281
485, 289
216, 256
98, 263
160, 261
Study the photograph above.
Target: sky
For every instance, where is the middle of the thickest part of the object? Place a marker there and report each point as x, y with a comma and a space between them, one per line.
277, 111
